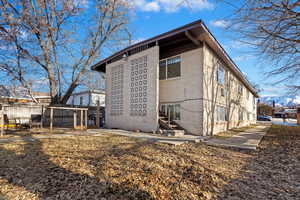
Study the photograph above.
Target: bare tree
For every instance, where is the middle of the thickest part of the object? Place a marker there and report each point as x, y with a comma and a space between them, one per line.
272, 27
58, 39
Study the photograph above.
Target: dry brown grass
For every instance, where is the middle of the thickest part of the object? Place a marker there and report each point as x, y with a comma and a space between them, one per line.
273, 171
114, 167
19, 133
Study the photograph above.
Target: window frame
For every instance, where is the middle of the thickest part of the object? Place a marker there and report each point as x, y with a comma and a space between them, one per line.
81, 100
240, 88
221, 68
166, 106
221, 114
166, 66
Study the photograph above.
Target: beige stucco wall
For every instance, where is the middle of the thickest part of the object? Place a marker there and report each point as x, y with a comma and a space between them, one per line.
186, 91
149, 122
232, 100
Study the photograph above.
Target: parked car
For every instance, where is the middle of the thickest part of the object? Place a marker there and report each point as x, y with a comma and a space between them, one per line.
264, 118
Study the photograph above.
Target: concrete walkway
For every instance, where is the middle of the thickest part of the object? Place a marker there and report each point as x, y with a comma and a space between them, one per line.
152, 137
248, 139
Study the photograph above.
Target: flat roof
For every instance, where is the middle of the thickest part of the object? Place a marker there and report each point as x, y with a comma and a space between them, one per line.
196, 28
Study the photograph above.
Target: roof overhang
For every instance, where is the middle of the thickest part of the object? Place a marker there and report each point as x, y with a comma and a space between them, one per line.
157, 40
196, 33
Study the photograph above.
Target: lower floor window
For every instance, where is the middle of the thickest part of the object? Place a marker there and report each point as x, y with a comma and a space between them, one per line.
171, 109
221, 114
241, 114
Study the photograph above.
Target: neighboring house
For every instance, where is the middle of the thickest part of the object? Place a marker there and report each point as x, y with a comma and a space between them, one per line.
184, 74
87, 98
42, 98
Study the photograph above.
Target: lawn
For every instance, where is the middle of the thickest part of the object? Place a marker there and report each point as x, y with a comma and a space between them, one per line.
114, 167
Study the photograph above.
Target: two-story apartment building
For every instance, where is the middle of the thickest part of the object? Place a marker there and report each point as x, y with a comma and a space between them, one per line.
182, 79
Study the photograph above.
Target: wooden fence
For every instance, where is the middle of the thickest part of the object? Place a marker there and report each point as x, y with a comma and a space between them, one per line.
62, 116
21, 113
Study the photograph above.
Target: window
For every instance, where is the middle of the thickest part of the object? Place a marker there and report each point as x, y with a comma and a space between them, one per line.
81, 101
221, 75
241, 113
223, 92
162, 70
240, 89
163, 109
254, 103
177, 112
170, 68
174, 110
221, 114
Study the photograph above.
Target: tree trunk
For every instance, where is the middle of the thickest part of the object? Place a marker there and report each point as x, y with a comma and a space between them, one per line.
53, 88
69, 92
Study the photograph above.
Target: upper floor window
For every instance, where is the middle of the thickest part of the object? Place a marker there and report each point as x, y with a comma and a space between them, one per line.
240, 89
221, 75
170, 68
81, 101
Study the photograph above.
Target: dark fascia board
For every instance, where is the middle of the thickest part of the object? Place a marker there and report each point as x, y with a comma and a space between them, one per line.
151, 40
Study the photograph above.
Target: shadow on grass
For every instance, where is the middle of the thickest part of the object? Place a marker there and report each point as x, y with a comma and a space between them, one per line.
36, 173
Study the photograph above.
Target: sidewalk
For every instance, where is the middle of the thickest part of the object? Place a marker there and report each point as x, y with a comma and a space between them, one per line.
248, 140
152, 137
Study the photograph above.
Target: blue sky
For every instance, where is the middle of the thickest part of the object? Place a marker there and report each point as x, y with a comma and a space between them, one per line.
153, 17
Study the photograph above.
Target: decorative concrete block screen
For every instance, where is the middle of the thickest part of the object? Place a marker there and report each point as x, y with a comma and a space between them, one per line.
117, 76
138, 87
132, 92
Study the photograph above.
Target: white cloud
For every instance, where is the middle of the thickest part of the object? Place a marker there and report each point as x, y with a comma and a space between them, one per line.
170, 5
220, 23
243, 58
297, 99
152, 6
